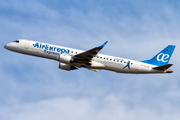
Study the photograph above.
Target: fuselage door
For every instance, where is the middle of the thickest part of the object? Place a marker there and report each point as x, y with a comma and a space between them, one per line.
137, 65
26, 44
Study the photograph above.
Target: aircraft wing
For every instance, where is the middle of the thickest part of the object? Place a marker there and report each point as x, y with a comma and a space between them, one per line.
85, 57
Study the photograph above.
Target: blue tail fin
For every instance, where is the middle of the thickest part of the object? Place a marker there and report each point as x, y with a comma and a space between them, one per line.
162, 58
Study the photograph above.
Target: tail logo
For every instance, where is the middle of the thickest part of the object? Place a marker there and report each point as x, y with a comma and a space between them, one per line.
162, 57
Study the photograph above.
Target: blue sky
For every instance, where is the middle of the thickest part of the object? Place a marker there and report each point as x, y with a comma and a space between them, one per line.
34, 88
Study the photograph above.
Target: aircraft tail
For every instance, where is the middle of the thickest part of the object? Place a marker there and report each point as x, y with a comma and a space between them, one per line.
163, 57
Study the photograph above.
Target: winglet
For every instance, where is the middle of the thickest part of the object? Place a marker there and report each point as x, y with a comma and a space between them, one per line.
103, 45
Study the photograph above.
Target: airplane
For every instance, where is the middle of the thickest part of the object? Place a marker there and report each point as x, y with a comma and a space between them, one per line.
72, 59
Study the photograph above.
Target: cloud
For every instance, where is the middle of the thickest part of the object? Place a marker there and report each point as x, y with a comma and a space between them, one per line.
72, 108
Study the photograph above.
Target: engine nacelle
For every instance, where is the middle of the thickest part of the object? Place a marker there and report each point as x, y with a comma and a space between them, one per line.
65, 58
66, 67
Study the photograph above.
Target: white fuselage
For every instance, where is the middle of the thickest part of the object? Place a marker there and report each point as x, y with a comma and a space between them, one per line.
100, 61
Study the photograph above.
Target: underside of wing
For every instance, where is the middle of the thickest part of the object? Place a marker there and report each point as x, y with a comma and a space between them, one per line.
86, 57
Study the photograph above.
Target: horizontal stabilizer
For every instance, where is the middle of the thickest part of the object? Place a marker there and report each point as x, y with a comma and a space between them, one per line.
163, 67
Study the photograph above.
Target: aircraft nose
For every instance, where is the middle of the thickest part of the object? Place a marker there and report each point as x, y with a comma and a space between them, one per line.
5, 46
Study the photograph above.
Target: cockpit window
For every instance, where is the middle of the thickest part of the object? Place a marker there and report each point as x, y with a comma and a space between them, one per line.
17, 41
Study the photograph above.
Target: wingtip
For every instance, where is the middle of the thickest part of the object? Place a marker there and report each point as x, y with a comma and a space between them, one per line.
103, 44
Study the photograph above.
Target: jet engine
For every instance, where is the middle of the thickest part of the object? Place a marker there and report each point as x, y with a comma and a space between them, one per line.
65, 59
66, 67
